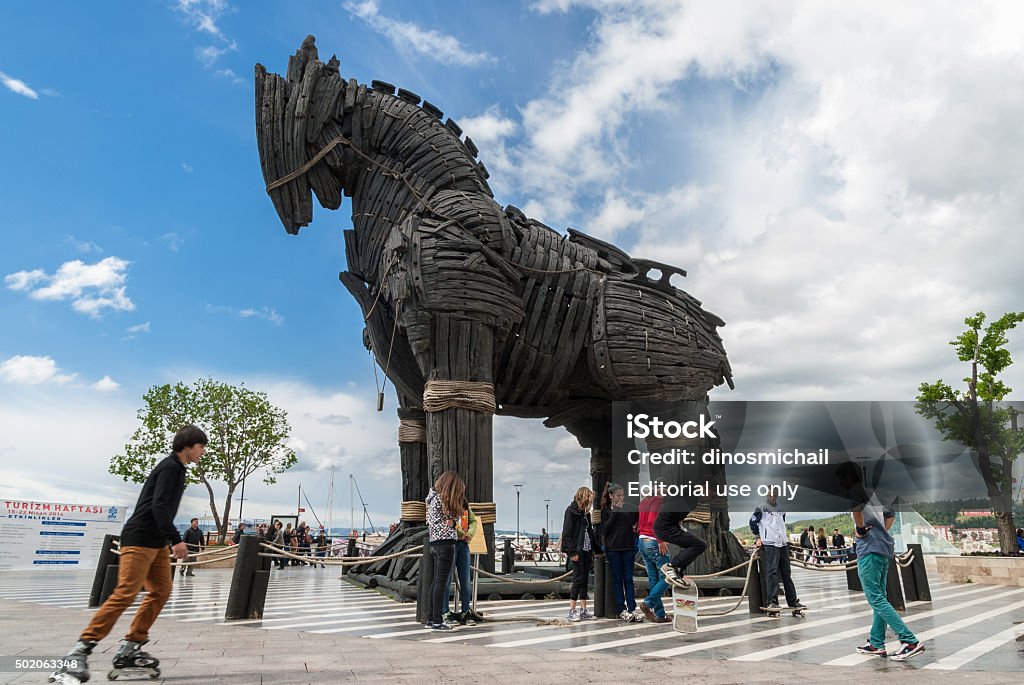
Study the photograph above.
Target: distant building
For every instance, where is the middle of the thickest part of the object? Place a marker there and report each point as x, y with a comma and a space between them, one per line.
971, 513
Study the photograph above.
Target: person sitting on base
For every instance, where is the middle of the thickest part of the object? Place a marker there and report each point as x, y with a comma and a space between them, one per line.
668, 528
768, 524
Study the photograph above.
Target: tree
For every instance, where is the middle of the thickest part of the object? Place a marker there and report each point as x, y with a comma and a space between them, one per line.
246, 434
976, 417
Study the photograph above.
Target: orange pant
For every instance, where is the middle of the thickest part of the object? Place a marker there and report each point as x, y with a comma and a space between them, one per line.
139, 567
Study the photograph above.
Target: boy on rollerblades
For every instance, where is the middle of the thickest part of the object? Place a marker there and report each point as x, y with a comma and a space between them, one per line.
144, 563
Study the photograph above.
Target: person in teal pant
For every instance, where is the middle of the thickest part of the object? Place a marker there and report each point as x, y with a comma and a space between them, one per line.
875, 550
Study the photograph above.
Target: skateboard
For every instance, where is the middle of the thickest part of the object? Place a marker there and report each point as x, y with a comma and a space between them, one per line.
684, 601
776, 612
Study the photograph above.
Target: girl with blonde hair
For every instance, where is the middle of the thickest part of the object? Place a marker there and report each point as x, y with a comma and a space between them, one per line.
579, 544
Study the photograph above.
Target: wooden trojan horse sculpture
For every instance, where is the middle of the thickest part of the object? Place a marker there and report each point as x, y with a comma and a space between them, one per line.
473, 309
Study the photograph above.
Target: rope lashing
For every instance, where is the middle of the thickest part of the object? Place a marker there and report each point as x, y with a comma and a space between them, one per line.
414, 511
701, 514
412, 430
485, 512
439, 395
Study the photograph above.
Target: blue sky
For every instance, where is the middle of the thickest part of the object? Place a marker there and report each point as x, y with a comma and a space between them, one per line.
842, 190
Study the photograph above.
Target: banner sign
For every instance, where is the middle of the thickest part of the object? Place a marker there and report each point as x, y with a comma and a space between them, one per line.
54, 536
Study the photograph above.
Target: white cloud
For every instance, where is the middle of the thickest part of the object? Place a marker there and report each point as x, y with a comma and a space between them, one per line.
209, 54
203, 15
106, 384
18, 86
842, 183
32, 370
186, 167
230, 75
91, 288
173, 240
267, 313
426, 43
139, 328
83, 245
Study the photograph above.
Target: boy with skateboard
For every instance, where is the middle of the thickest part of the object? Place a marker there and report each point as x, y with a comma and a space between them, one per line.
144, 563
768, 524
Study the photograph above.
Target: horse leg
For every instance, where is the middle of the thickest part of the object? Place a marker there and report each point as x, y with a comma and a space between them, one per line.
459, 426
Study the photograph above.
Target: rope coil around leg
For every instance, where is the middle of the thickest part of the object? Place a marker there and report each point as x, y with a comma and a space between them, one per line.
485, 512
439, 395
414, 511
412, 430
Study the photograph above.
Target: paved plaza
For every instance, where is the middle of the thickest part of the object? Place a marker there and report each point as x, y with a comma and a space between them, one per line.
319, 629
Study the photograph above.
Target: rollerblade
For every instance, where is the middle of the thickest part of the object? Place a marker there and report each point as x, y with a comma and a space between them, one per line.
75, 669
131, 662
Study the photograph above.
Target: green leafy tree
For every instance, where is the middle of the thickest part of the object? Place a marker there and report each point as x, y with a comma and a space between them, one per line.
977, 415
247, 433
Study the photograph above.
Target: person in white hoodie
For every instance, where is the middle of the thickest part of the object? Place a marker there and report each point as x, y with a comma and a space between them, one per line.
768, 524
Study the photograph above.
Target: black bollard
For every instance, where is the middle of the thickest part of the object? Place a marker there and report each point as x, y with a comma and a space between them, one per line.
852, 579
107, 557
893, 591
246, 563
423, 580
924, 591
909, 583
755, 597
109, 582
604, 591
508, 558
258, 594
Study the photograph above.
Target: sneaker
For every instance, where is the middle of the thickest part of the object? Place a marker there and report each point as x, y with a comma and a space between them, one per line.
907, 650
638, 615
648, 612
574, 615
797, 605
868, 648
626, 616
774, 604
442, 627
466, 618
586, 615
662, 619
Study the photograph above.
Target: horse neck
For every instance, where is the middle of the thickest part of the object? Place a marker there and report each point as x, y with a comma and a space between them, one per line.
405, 157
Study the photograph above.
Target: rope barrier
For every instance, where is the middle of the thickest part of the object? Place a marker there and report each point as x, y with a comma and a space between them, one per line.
521, 582
342, 561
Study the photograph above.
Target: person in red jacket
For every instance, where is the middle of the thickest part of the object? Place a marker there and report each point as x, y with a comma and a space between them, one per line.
655, 555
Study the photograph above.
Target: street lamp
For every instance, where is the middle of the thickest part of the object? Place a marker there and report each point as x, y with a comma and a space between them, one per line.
547, 520
517, 486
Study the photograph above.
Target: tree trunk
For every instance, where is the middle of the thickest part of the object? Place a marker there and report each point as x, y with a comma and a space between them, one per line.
213, 506
1002, 509
226, 521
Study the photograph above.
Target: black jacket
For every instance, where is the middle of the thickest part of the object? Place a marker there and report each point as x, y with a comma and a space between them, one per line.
574, 524
193, 538
152, 522
618, 528
671, 515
